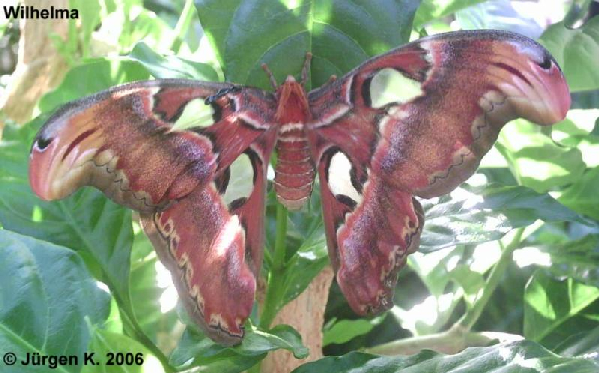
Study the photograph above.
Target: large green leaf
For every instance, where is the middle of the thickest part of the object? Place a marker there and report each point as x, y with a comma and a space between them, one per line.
171, 66
575, 259
581, 344
550, 302
48, 300
339, 34
536, 160
303, 266
564, 328
146, 299
429, 312
475, 215
91, 77
86, 222
343, 331
582, 195
210, 357
577, 335
519, 357
577, 52
151, 291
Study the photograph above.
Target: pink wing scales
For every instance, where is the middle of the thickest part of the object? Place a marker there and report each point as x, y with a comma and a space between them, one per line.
467, 86
122, 141
139, 145
203, 246
373, 236
214, 251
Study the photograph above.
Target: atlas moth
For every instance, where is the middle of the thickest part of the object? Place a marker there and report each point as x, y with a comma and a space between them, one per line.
172, 150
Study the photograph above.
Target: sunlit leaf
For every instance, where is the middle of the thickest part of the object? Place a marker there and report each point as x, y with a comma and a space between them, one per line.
582, 195
329, 30
576, 259
162, 67
550, 302
92, 77
536, 160
476, 215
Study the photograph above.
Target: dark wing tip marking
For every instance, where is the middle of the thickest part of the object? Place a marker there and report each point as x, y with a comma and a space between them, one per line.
549, 61
42, 142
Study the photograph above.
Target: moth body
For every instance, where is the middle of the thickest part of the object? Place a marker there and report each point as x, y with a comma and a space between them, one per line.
294, 170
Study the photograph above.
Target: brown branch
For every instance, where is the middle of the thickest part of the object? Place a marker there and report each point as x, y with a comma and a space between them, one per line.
306, 315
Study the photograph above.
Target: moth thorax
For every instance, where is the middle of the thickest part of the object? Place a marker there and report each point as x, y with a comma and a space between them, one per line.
294, 172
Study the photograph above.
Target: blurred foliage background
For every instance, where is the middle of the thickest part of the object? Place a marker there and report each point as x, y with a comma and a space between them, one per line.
509, 262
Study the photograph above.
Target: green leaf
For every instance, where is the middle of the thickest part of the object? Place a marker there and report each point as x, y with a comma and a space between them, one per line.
116, 353
48, 299
279, 33
303, 266
581, 344
549, 302
519, 357
577, 336
162, 67
91, 77
582, 195
476, 215
128, 23
212, 357
89, 14
86, 222
585, 100
147, 289
576, 259
146, 297
429, 312
470, 281
577, 130
433, 268
576, 51
433, 9
337, 364
536, 160
344, 331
